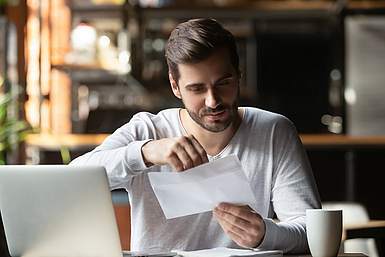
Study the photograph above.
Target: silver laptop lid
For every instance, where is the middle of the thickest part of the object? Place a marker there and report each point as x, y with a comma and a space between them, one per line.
57, 211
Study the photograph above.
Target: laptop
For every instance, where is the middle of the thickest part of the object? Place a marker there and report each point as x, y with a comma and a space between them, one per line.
57, 211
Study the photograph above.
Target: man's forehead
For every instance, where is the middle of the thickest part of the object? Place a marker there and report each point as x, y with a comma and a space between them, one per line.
216, 65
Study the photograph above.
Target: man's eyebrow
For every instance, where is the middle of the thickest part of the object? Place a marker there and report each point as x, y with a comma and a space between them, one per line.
198, 84
226, 76
194, 85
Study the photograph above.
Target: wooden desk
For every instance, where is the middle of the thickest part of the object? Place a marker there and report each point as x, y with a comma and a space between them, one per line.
38, 144
310, 141
71, 141
371, 229
326, 141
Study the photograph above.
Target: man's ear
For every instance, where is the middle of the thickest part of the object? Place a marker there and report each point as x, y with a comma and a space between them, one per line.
174, 86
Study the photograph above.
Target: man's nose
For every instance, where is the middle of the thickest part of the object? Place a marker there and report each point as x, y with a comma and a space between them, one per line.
212, 99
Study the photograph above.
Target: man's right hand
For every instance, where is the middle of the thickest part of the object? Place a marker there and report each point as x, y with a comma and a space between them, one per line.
181, 153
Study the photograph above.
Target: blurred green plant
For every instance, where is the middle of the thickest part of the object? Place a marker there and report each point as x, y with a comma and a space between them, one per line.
12, 129
9, 2
65, 155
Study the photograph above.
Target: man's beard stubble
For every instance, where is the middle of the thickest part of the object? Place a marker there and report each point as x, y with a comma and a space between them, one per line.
215, 127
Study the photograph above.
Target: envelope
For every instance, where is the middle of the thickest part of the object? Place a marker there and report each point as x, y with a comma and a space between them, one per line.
202, 188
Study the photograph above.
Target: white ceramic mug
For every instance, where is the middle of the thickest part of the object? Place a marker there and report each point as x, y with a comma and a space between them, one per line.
324, 230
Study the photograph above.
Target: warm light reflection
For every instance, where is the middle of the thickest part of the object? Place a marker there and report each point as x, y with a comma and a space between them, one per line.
61, 28
32, 106
104, 41
45, 60
47, 42
32, 116
60, 103
60, 95
350, 96
83, 37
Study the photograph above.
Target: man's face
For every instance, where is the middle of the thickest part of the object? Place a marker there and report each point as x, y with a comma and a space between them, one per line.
209, 90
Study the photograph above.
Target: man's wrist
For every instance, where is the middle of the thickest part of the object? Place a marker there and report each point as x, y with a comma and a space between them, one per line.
269, 239
263, 236
144, 151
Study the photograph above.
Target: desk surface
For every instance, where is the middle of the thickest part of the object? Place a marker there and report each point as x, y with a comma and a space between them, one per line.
310, 141
54, 142
341, 141
339, 255
370, 229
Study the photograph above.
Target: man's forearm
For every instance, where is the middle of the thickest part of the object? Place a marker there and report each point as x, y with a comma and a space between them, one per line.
289, 236
124, 160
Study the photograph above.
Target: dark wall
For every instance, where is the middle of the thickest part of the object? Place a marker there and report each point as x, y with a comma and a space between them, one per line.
329, 168
295, 60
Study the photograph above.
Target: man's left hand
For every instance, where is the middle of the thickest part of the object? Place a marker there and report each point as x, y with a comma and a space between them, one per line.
244, 226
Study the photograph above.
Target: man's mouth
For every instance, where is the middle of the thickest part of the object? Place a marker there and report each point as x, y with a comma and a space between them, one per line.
216, 115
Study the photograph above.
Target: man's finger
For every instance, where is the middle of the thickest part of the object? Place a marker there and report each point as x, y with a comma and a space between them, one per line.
238, 239
243, 212
230, 227
174, 161
248, 236
183, 156
229, 218
194, 154
239, 236
199, 149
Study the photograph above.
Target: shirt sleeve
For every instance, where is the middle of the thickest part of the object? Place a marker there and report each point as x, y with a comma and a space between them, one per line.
121, 152
293, 191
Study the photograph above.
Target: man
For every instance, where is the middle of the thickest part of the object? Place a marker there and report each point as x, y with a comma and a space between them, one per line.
204, 74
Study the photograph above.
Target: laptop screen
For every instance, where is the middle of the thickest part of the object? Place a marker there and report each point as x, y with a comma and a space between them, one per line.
58, 210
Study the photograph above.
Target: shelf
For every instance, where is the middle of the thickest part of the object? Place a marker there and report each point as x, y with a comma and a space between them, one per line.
97, 8
73, 66
255, 9
258, 9
89, 72
98, 11
365, 7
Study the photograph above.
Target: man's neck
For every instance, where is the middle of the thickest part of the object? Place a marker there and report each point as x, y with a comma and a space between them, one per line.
212, 142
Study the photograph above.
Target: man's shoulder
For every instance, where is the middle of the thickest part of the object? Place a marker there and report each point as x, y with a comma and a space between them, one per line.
166, 113
164, 120
264, 122
171, 112
260, 116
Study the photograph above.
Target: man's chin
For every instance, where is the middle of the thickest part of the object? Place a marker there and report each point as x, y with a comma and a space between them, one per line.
213, 123
215, 126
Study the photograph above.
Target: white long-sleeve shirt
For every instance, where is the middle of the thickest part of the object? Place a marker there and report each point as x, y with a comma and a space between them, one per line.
271, 154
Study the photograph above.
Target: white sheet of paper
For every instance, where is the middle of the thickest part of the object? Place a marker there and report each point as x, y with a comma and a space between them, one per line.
229, 252
202, 188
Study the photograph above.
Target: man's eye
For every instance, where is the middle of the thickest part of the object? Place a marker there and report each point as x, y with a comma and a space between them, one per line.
196, 89
224, 82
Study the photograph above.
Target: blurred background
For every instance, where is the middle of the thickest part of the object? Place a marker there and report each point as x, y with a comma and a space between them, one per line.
71, 72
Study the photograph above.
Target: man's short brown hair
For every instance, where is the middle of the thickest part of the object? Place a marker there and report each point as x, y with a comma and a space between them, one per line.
195, 40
